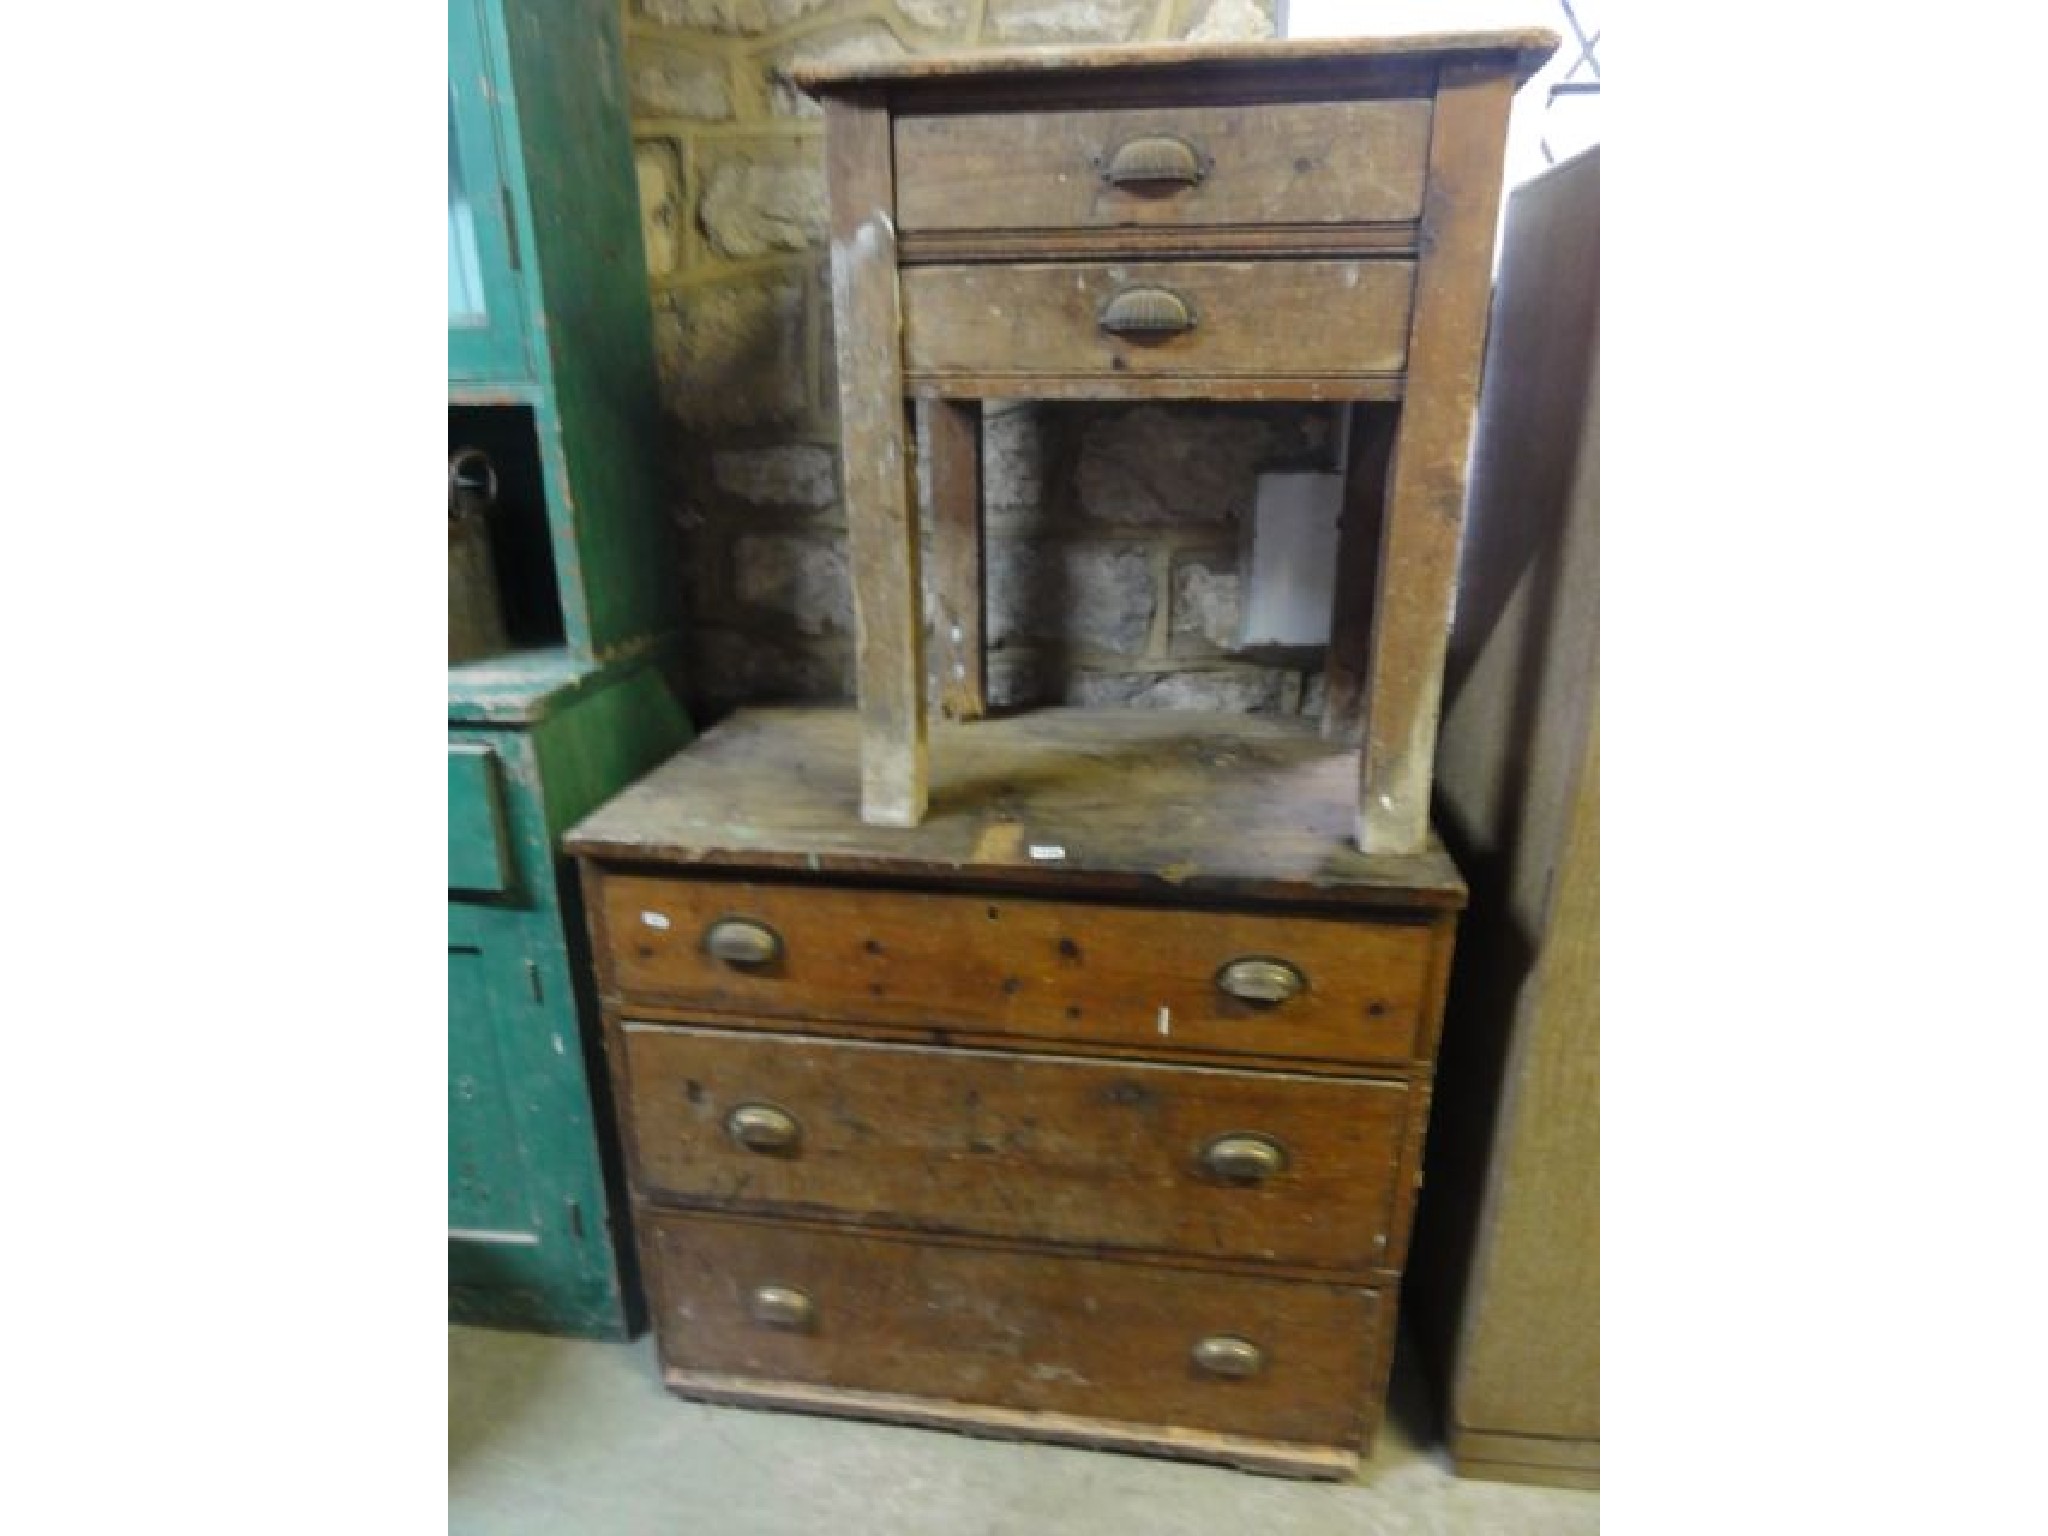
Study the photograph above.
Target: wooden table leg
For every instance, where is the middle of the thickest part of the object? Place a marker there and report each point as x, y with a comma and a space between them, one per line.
1418, 562
953, 439
1358, 556
875, 466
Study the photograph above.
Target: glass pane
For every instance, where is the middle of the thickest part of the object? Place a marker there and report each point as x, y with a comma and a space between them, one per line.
465, 276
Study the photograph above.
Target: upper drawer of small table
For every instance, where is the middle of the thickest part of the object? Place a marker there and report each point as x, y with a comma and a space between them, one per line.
1328, 162
1160, 980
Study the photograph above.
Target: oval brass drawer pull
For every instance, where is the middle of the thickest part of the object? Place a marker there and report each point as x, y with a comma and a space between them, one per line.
1259, 980
1157, 159
1146, 312
743, 941
1244, 1155
1223, 1354
779, 1306
763, 1128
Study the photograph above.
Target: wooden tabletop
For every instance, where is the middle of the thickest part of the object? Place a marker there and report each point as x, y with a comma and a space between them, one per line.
1532, 46
1127, 802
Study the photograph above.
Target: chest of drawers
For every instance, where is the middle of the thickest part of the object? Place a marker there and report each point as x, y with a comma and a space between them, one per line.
1089, 1110
1309, 220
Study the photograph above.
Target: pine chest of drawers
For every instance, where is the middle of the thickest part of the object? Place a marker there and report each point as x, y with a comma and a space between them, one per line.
1090, 1110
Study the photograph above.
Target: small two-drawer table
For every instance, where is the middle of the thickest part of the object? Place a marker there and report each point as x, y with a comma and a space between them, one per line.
1089, 1110
1307, 220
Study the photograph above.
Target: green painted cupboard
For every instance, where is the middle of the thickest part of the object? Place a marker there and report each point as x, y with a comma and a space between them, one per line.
550, 376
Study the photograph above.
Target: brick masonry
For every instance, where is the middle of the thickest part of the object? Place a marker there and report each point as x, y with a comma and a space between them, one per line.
1113, 530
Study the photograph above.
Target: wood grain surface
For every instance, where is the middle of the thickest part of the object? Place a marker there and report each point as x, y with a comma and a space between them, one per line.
1425, 504
875, 470
959, 601
1141, 976
1096, 1154
1169, 805
1290, 318
1328, 162
1014, 1330
1523, 50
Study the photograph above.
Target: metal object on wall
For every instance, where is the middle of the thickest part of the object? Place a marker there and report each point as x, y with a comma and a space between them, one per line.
476, 613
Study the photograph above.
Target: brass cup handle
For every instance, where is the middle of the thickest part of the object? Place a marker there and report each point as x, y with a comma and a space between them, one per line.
1146, 312
1224, 1354
763, 1128
780, 1306
1154, 160
1245, 1155
1262, 981
743, 941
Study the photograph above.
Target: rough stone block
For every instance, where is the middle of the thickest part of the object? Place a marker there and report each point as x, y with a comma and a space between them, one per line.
730, 18
1016, 457
732, 353
858, 43
789, 475
1094, 595
670, 82
938, 15
733, 666
804, 576
1233, 21
1159, 465
1205, 599
1066, 21
759, 200
1237, 691
659, 171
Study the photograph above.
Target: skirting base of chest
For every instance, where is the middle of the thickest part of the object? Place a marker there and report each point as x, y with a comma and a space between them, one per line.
1275, 1457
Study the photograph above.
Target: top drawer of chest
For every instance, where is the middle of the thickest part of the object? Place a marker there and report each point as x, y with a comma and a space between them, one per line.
1317, 163
1160, 980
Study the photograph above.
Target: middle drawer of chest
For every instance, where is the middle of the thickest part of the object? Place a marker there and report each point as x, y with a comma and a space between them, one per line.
1106, 1154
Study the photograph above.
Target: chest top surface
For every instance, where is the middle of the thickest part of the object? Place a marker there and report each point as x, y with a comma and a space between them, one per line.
1114, 802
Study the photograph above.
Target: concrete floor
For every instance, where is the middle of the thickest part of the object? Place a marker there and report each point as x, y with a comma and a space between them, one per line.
576, 1439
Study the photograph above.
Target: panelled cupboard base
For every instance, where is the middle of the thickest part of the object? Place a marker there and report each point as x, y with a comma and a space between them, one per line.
1271, 1456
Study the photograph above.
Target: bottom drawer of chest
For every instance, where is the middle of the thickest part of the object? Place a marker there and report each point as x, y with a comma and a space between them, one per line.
1264, 1373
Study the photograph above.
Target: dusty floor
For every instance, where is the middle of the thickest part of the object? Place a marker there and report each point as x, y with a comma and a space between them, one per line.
575, 1439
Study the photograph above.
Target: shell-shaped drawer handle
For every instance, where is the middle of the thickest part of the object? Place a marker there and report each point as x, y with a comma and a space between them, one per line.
1256, 979
1224, 1354
1157, 159
1244, 1155
1147, 312
763, 1128
780, 1306
743, 941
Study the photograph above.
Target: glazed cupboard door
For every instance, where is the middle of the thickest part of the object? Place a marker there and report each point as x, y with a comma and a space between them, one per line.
486, 333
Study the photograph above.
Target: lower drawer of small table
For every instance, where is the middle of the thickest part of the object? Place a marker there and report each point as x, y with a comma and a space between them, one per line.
1260, 1372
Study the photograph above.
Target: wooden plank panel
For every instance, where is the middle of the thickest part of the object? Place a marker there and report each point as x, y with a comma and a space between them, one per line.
1426, 494
1338, 318
1175, 806
1008, 965
1359, 527
881, 529
1014, 1330
953, 443
1052, 1149
1327, 162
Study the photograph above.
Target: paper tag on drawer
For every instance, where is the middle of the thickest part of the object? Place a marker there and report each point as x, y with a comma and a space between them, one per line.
656, 920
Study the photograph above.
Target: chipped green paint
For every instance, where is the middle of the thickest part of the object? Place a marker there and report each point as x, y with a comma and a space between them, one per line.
538, 104
532, 1181
554, 135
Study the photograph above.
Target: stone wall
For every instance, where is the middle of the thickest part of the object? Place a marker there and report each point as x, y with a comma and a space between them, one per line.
1113, 531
